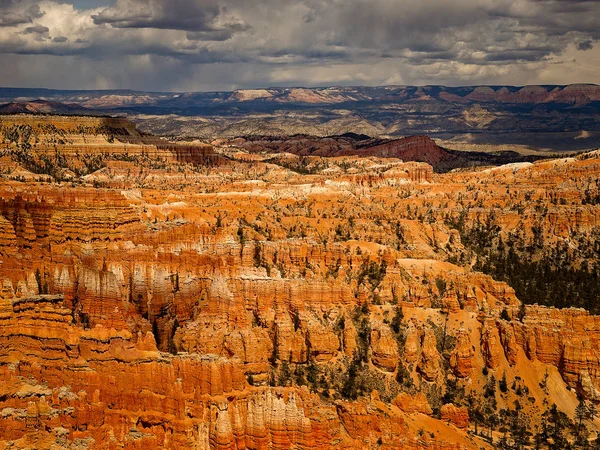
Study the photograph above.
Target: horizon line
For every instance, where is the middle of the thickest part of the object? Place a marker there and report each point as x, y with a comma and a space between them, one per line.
300, 87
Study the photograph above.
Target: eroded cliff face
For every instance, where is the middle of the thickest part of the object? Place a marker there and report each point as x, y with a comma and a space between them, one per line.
67, 147
63, 386
251, 306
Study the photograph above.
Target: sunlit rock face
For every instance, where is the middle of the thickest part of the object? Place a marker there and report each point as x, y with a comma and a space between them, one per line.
182, 302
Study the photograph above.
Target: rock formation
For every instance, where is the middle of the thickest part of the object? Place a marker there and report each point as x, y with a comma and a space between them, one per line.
248, 305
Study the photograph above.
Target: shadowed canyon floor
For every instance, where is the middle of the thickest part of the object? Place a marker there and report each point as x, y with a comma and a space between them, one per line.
161, 295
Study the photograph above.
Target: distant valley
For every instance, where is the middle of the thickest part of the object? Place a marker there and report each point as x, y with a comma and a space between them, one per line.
528, 119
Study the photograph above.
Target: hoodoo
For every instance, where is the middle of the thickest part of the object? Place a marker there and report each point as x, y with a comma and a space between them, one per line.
178, 295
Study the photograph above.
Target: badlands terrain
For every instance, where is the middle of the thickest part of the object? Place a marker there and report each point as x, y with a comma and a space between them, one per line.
229, 295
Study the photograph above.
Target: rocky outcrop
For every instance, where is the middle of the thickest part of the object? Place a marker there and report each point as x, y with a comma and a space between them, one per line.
75, 143
461, 359
566, 339
491, 348
384, 348
508, 340
412, 344
455, 415
428, 365
409, 404
413, 148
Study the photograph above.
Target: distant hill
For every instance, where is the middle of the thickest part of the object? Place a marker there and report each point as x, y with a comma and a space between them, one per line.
412, 148
544, 117
41, 107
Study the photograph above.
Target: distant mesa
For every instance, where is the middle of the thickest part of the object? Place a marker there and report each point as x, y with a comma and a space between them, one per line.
411, 148
533, 94
41, 107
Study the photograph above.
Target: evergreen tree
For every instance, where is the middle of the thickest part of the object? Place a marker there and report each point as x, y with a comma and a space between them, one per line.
503, 385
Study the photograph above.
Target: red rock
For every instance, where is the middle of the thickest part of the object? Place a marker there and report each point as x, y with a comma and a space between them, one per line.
461, 359
385, 348
428, 365
416, 404
455, 415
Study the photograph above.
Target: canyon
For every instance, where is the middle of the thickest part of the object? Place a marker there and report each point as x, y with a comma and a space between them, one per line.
243, 294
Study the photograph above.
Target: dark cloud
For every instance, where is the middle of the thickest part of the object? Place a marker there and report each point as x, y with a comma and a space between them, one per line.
218, 34
199, 17
13, 12
37, 29
268, 42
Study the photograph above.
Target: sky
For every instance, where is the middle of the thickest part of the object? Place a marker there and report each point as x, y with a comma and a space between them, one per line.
208, 45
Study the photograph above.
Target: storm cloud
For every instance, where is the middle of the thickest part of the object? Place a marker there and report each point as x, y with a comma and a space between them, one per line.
14, 13
225, 44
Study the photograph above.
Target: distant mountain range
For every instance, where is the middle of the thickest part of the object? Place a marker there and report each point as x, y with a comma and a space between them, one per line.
574, 94
547, 117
